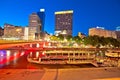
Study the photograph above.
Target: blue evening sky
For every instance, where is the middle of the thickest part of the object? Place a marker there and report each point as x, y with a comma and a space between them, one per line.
87, 13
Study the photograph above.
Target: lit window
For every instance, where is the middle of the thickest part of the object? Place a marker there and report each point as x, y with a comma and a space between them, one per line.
33, 21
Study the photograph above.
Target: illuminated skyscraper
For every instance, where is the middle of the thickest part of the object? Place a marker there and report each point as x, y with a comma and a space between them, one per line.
63, 22
41, 15
36, 25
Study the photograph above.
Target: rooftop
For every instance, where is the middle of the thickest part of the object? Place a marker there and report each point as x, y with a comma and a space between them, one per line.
64, 12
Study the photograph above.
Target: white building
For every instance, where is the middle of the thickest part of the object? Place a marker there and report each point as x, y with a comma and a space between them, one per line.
26, 31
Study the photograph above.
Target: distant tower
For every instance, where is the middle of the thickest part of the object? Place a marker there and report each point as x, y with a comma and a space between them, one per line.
63, 22
118, 28
41, 15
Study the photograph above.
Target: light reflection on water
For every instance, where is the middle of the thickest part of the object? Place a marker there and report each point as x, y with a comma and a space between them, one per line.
17, 59
8, 56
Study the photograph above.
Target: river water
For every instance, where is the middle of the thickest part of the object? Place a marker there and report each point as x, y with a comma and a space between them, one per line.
17, 59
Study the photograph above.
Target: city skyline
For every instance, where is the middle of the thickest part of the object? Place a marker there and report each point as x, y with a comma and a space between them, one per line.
87, 14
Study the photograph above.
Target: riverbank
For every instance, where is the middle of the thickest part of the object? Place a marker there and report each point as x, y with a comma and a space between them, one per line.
89, 74
104, 73
21, 74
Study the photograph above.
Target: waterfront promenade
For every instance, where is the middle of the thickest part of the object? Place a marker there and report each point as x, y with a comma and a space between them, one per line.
20, 71
106, 73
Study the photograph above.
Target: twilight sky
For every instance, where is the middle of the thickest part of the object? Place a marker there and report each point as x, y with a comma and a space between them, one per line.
87, 13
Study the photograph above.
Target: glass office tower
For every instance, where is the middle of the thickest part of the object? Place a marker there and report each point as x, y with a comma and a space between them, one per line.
41, 15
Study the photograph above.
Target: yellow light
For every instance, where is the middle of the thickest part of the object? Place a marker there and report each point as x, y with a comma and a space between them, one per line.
18, 30
64, 12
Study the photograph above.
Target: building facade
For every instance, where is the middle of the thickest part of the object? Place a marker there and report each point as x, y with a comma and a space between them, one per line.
34, 26
64, 22
11, 31
101, 32
118, 34
1, 32
118, 28
26, 31
41, 15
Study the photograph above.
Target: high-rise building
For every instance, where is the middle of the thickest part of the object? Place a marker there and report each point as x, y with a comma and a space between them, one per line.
34, 21
41, 15
102, 32
63, 22
118, 28
34, 25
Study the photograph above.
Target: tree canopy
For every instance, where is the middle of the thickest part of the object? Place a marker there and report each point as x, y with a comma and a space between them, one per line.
95, 41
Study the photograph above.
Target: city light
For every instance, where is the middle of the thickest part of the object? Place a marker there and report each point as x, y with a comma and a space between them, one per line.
42, 10
76, 49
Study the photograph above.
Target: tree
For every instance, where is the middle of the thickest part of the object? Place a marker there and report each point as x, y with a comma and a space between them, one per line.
60, 37
69, 38
77, 39
53, 38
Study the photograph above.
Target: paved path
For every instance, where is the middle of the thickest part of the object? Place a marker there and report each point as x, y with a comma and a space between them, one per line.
89, 74
61, 74
50, 74
21, 74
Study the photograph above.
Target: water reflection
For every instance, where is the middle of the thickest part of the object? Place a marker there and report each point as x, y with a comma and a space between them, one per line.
17, 59
8, 56
4, 56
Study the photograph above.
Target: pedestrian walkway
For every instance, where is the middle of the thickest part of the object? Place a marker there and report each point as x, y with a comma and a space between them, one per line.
50, 74
21, 74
